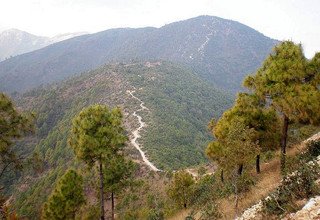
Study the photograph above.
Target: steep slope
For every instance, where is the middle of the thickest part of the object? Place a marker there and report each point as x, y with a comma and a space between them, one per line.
179, 106
14, 42
171, 94
222, 51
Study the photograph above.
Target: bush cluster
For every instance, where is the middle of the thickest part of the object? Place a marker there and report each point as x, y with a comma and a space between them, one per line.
297, 185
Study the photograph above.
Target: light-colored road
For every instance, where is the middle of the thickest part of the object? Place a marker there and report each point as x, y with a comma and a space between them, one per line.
136, 133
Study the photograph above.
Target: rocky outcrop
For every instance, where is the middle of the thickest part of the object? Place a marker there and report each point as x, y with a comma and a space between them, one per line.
310, 211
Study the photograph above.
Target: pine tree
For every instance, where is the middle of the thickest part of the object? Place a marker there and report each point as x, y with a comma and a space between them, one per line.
289, 82
66, 198
263, 119
181, 188
117, 176
13, 125
97, 135
237, 148
252, 113
237, 145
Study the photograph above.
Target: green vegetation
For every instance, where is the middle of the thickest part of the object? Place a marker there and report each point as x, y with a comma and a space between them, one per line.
290, 82
236, 149
176, 133
97, 135
287, 86
298, 184
175, 136
225, 59
13, 125
181, 188
66, 199
118, 175
243, 132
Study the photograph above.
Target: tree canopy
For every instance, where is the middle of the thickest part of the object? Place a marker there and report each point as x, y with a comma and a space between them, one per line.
180, 189
290, 83
13, 125
237, 147
66, 198
97, 135
247, 127
117, 176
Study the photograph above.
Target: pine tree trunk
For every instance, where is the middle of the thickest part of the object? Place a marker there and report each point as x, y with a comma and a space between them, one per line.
284, 141
112, 205
258, 163
236, 192
236, 203
221, 176
101, 191
240, 169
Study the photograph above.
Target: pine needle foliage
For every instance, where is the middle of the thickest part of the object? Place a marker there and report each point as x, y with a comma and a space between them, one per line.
66, 198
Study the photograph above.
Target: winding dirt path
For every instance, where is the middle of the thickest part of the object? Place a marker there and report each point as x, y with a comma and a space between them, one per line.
136, 133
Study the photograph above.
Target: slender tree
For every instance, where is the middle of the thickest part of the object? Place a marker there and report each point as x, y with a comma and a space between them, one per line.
96, 136
237, 147
252, 113
117, 177
256, 115
240, 145
290, 83
216, 152
13, 125
66, 198
180, 190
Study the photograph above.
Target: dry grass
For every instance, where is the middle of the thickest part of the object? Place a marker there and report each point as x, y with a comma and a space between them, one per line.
267, 181
180, 215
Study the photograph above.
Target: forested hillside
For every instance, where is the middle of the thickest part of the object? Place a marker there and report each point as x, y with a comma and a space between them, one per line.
221, 51
176, 133
198, 119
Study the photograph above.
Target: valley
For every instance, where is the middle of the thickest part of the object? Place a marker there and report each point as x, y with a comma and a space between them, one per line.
170, 92
196, 119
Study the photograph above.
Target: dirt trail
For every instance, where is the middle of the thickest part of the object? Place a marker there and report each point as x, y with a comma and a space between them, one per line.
136, 133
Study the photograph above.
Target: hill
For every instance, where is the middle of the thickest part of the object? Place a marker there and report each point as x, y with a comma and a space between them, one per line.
15, 42
221, 51
179, 106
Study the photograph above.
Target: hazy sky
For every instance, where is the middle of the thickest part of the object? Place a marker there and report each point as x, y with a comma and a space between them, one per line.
298, 20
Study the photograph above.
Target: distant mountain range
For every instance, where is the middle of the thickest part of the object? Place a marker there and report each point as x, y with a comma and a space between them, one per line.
15, 42
221, 51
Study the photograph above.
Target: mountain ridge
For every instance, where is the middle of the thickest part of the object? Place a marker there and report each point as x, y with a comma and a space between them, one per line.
15, 42
214, 47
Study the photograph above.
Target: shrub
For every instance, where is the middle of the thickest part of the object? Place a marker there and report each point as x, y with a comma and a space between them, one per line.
297, 185
313, 148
